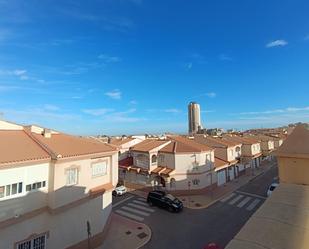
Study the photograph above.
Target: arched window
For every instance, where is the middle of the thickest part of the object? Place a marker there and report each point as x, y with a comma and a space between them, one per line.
154, 159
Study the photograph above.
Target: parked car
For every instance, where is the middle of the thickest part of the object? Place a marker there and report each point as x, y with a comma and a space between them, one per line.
164, 200
119, 190
272, 188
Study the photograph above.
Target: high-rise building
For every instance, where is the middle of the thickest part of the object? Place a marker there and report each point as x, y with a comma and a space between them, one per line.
194, 117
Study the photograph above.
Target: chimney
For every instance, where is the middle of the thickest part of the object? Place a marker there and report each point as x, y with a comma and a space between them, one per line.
47, 133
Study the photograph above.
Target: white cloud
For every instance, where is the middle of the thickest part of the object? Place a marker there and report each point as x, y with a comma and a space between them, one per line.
97, 112
211, 94
172, 110
19, 72
109, 59
49, 107
275, 111
208, 111
189, 65
16, 72
114, 94
276, 43
133, 102
224, 57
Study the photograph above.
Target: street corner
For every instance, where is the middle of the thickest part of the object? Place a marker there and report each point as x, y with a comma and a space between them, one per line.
196, 201
126, 233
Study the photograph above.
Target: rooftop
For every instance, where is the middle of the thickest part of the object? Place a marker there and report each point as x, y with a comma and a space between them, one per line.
296, 144
282, 222
22, 144
16, 146
215, 142
149, 145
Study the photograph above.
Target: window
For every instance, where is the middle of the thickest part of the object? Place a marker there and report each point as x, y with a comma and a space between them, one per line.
99, 169
154, 159
20, 187
36, 243
2, 191
161, 159
195, 181
14, 189
11, 189
8, 190
71, 175
28, 187
35, 186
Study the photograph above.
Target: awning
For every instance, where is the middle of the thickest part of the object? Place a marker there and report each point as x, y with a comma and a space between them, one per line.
137, 169
166, 172
220, 164
157, 170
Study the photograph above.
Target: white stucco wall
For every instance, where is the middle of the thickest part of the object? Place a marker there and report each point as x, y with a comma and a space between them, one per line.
26, 201
62, 194
66, 228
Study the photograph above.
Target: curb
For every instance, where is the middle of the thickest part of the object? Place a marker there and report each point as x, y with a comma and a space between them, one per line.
219, 198
141, 224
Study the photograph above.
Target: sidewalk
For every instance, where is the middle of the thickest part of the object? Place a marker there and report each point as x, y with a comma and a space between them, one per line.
203, 198
125, 233
208, 198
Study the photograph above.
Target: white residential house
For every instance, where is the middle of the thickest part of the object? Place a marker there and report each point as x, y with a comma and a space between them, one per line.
177, 163
251, 153
227, 154
51, 186
124, 144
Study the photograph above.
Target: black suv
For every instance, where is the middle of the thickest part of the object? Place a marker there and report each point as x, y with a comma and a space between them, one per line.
164, 200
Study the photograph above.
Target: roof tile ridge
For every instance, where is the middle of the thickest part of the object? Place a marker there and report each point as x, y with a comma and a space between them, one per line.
42, 145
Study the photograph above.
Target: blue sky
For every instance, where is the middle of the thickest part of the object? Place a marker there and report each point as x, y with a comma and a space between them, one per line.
132, 66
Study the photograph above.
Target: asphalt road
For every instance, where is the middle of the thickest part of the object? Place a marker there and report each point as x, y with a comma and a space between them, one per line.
192, 229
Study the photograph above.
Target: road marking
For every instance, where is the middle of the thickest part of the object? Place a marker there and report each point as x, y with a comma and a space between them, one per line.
135, 211
132, 216
141, 203
122, 201
227, 198
244, 201
253, 195
236, 199
141, 199
141, 207
253, 204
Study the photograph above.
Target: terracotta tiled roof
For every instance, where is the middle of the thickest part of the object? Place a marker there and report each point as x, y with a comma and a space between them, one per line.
296, 144
242, 140
220, 163
184, 145
70, 146
263, 138
148, 145
16, 146
216, 142
121, 141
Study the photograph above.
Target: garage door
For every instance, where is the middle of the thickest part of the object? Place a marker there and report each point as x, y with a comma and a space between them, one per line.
221, 177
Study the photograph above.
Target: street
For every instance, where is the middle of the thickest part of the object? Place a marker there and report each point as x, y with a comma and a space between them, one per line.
195, 228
